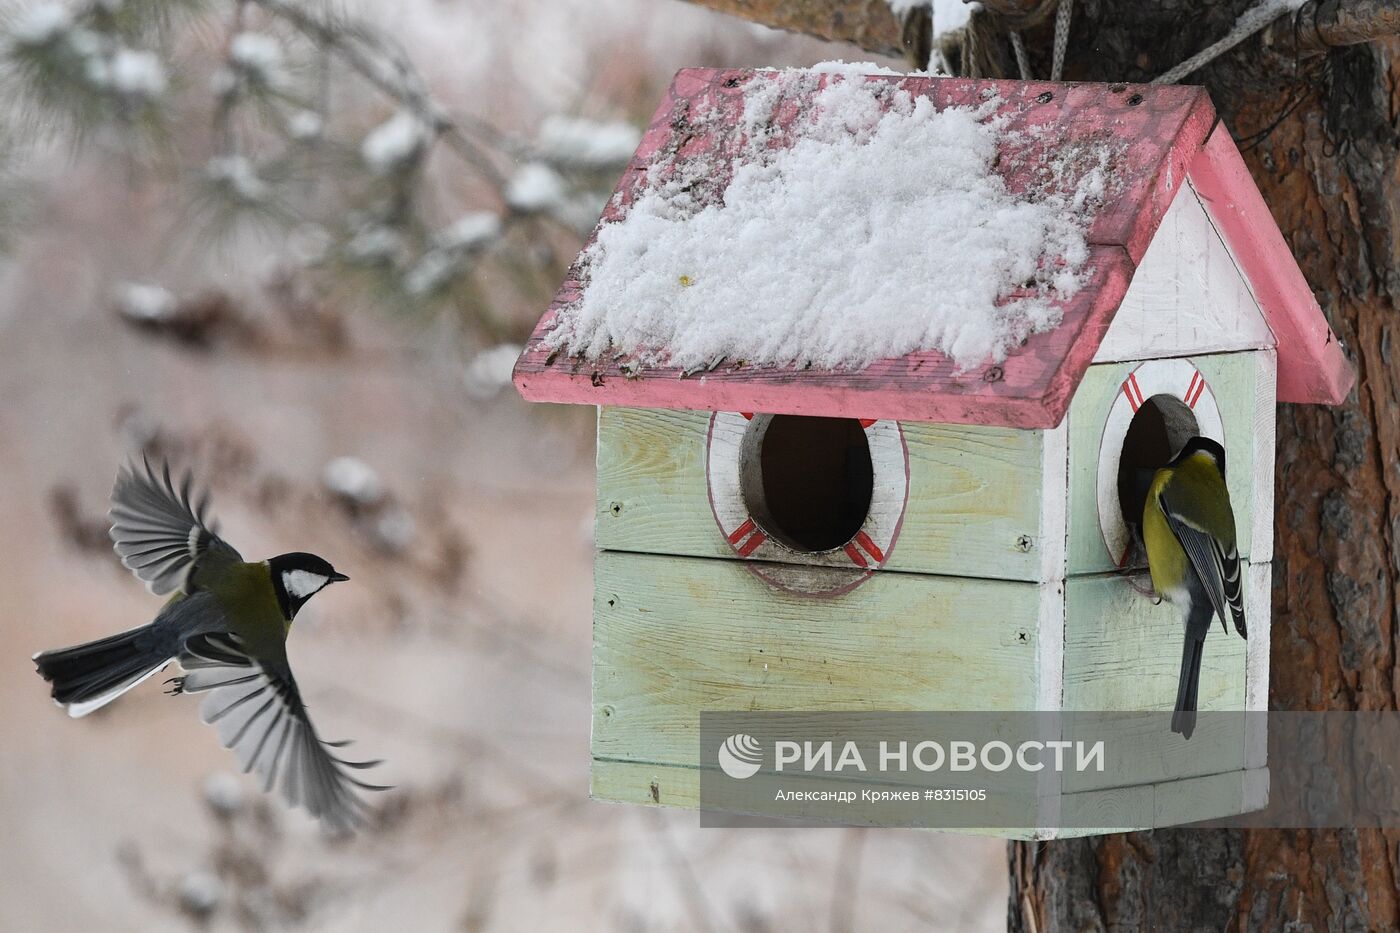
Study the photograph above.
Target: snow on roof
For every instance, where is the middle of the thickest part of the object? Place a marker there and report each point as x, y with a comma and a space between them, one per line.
905, 202
888, 246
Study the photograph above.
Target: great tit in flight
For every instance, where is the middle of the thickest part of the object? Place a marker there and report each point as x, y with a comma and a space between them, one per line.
1189, 531
227, 625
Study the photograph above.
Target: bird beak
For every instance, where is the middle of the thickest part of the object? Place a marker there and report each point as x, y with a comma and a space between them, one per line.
338, 578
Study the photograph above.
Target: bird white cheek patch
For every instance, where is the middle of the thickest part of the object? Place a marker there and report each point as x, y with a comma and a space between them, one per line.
302, 583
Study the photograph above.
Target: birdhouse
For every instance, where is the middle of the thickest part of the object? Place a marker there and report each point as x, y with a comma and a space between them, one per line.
828, 519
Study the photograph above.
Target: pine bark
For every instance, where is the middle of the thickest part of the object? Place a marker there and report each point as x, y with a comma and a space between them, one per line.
1320, 135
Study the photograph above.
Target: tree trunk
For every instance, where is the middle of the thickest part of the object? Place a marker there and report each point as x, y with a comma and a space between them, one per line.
1320, 136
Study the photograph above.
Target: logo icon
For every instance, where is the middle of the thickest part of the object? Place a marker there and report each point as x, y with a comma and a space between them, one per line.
740, 756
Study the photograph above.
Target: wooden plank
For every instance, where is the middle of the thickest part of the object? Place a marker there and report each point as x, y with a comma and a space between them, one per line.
1312, 367
974, 502
1123, 652
1187, 297
1259, 588
1119, 809
1207, 797
1030, 389
1054, 534
677, 635
655, 785
1232, 378
644, 783
1167, 803
1099, 812
1261, 537
1256, 789
1054, 502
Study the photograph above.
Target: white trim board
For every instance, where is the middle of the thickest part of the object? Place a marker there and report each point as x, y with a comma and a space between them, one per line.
1261, 536
1187, 295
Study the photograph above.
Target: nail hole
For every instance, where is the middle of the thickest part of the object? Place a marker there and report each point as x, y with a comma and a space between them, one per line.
993, 374
1118, 88
1134, 100
1045, 97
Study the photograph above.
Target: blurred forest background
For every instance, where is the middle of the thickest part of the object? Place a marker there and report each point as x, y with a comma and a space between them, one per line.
297, 245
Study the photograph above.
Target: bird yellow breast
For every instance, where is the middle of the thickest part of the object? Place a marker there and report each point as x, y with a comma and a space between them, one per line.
1166, 558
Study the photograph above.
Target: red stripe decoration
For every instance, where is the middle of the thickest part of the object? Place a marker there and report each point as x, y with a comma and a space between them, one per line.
1133, 391
742, 531
752, 544
867, 422
1199, 383
870, 546
748, 415
855, 556
747, 530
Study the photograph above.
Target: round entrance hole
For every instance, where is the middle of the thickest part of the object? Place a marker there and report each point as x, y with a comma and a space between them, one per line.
1159, 429
806, 481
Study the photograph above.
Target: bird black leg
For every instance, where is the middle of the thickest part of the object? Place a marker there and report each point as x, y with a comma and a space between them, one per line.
177, 686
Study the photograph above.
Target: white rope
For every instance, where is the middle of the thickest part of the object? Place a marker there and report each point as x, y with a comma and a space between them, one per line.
1023, 62
1062, 18
1250, 22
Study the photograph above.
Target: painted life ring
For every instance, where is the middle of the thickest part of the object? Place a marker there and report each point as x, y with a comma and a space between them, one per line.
798, 571
1177, 378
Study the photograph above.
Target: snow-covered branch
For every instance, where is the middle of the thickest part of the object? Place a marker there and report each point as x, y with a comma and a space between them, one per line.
869, 24
323, 134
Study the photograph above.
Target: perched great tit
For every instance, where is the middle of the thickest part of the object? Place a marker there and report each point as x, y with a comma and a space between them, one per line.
1189, 531
227, 625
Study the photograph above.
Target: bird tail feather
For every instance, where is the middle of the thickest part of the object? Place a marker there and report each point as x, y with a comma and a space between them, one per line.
1189, 681
1184, 717
89, 676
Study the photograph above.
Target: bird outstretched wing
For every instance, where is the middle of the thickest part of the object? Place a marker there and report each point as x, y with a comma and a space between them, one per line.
1218, 569
257, 708
160, 532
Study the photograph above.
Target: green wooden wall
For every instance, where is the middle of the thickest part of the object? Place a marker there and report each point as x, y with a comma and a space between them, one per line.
1123, 652
682, 625
676, 635
1232, 377
974, 494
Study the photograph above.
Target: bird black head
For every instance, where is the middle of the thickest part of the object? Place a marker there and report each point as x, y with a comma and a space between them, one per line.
298, 576
1202, 445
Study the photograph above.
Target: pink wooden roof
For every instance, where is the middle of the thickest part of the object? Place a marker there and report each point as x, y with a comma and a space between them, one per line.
1167, 133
